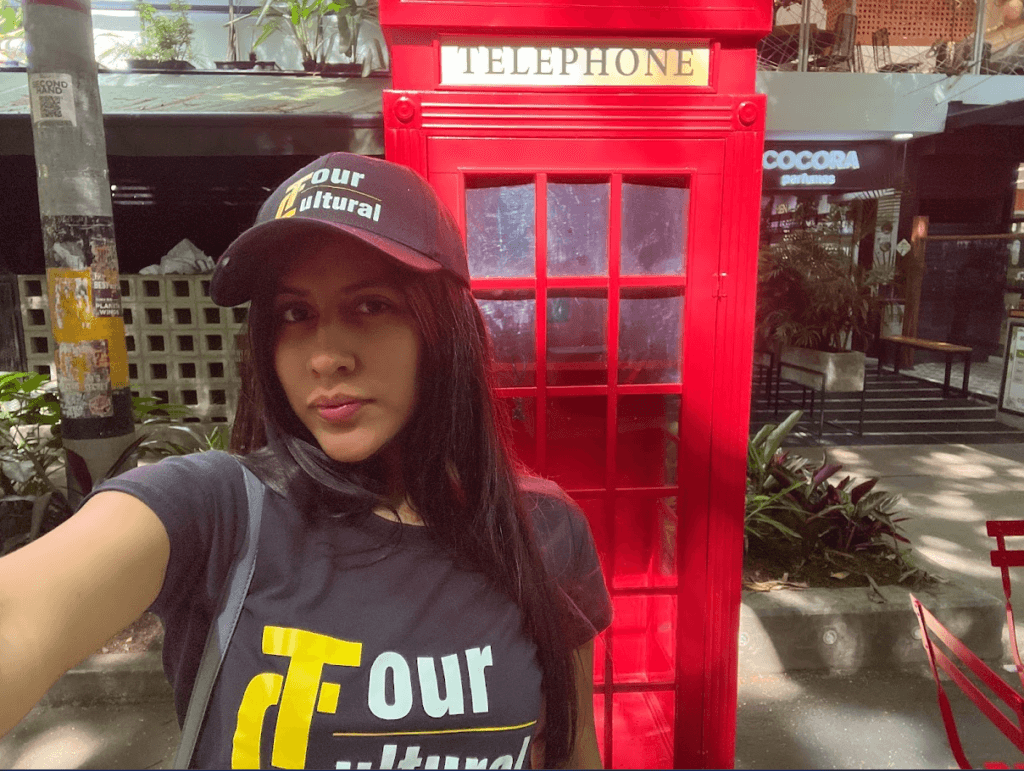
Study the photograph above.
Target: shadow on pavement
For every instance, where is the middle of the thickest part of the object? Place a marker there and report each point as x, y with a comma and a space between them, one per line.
98, 736
877, 719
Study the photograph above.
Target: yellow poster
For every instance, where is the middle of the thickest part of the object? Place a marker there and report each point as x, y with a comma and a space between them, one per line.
74, 321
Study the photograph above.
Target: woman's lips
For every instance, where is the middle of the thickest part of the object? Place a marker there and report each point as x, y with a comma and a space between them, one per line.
340, 412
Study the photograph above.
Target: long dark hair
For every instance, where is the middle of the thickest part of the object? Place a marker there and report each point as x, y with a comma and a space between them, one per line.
457, 469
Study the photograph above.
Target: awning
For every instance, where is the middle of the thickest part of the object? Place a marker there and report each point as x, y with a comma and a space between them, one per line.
961, 115
218, 113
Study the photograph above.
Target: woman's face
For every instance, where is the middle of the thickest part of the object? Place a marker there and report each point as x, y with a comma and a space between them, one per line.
347, 349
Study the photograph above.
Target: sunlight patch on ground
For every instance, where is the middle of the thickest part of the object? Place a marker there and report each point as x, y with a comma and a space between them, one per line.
953, 557
929, 541
863, 724
956, 504
1003, 485
776, 687
956, 467
65, 746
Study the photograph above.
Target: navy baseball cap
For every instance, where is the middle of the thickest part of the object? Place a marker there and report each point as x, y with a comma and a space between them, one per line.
385, 205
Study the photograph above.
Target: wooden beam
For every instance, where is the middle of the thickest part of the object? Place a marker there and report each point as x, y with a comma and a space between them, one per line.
986, 237
913, 270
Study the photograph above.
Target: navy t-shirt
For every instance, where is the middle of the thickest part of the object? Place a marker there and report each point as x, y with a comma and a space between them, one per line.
360, 645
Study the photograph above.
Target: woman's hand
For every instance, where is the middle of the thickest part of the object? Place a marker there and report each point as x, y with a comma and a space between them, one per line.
65, 594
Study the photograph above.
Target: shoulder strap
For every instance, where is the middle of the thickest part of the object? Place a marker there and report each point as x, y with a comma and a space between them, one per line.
223, 626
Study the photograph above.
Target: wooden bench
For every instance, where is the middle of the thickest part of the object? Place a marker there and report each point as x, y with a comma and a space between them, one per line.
948, 349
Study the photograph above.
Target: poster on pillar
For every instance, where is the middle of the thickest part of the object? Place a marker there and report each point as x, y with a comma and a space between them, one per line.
79, 242
91, 360
83, 375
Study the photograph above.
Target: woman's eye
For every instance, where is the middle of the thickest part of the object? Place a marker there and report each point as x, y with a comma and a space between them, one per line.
294, 313
373, 306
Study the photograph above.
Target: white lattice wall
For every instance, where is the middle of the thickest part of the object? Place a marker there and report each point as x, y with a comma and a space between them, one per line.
181, 347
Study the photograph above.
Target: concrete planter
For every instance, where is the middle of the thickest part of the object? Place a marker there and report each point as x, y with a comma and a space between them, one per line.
842, 371
843, 630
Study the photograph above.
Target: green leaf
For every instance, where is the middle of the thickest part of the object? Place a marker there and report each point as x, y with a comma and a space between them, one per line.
8, 21
775, 439
38, 512
761, 435
16, 498
118, 465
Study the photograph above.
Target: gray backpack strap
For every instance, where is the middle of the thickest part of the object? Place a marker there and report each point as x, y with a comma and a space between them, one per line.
239, 578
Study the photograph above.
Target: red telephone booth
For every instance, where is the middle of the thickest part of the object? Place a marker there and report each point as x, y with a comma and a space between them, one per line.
604, 159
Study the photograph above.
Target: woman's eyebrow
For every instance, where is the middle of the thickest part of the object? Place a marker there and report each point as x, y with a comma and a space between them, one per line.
358, 286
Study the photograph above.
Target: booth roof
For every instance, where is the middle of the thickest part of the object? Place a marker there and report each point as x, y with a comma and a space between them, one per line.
218, 113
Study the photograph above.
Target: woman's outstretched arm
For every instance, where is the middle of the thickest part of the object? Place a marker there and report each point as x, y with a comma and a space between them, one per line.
65, 594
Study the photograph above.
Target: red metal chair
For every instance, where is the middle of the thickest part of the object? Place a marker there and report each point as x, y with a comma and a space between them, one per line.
961, 658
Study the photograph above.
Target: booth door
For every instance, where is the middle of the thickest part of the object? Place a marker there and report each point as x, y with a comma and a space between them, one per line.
594, 263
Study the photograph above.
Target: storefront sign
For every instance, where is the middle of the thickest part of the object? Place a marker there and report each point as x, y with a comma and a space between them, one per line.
830, 165
799, 162
554, 65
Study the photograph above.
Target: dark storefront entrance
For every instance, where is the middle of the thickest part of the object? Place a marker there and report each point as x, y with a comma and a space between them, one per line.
965, 182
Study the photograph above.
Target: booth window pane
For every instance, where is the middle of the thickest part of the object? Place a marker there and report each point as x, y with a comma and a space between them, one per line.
522, 414
655, 219
642, 730
577, 228
648, 435
577, 350
512, 324
500, 228
643, 638
649, 330
644, 542
576, 441
595, 510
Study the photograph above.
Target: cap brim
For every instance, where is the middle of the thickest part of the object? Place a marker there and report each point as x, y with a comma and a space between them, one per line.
244, 261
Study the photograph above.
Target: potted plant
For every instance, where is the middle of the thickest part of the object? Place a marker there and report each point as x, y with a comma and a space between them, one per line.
350, 21
12, 34
315, 27
253, 63
32, 457
165, 42
812, 305
801, 528
233, 62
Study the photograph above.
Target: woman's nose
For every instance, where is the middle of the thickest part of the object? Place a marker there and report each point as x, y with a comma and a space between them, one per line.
331, 353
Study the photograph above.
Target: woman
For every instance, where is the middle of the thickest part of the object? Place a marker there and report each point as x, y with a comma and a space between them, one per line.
415, 602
